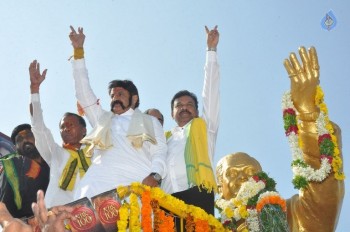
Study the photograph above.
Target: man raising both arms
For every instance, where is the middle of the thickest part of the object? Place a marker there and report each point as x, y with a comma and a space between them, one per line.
69, 162
130, 145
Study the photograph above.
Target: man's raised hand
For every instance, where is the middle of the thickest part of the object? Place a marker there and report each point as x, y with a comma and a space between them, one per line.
77, 39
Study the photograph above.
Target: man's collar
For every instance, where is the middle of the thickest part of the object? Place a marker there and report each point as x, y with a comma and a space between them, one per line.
126, 113
183, 127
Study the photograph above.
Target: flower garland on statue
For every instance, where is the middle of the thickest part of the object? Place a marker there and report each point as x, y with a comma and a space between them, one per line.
253, 195
164, 200
327, 141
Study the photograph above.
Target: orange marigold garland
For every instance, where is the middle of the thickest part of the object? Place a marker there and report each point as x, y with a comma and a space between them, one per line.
171, 203
156, 218
167, 222
190, 225
146, 211
202, 226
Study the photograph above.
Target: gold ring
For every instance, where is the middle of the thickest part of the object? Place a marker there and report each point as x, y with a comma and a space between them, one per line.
50, 213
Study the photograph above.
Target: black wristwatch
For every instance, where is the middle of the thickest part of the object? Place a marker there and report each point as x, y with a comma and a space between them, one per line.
157, 177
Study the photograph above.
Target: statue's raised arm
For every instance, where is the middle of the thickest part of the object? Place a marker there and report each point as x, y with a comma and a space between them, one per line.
317, 163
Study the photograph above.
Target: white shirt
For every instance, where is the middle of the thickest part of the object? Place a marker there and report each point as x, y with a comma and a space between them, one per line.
121, 164
54, 155
176, 179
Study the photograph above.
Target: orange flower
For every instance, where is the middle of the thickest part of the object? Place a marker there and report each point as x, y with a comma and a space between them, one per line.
202, 226
146, 212
273, 200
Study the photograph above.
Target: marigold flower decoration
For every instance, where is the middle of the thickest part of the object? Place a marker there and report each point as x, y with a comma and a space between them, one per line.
122, 223
200, 217
135, 225
146, 211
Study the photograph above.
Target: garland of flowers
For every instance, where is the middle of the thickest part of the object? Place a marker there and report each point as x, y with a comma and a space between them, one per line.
122, 223
134, 214
146, 212
253, 195
161, 221
330, 154
190, 225
172, 204
167, 222
202, 226
327, 140
156, 218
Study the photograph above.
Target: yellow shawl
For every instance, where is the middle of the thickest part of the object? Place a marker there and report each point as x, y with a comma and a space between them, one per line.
198, 165
77, 162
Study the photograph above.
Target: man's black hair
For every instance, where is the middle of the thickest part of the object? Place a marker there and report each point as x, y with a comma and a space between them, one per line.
125, 84
18, 129
184, 93
80, 119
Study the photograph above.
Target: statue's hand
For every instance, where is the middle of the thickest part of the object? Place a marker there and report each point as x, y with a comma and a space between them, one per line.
304, 79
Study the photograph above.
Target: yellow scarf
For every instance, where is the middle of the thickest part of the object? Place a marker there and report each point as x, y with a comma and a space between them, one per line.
198, 165
76, 162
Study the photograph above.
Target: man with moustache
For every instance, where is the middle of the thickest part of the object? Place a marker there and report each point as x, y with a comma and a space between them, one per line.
191, 144
130, 146
25, 172
68, 162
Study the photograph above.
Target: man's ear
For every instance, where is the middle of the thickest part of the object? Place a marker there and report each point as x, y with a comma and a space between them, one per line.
84, 132
134, 99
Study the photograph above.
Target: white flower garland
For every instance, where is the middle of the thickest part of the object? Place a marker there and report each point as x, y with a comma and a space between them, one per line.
309, 173
253, 220
233, 208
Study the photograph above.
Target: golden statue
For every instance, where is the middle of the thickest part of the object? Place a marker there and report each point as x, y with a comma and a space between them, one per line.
321, 190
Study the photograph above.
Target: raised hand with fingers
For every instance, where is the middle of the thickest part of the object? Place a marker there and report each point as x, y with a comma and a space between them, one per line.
77, 39
53, 220
304, 79
212, 38
36, 78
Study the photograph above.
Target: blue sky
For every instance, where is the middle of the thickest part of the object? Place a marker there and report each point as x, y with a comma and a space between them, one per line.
160, 45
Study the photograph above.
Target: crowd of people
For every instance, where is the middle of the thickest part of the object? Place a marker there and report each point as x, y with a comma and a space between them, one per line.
126, 145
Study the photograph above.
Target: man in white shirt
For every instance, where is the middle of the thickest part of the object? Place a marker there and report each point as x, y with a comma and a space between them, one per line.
69, 163
129, 146
185, 180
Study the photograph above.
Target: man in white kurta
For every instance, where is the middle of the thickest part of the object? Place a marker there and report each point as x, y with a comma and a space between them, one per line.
184, 110
54, 154
121, 163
